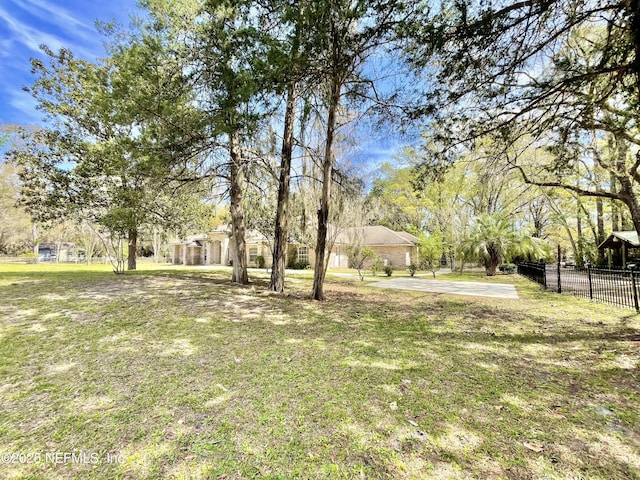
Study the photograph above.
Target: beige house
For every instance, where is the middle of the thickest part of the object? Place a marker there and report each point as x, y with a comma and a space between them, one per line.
216, 248
397, 249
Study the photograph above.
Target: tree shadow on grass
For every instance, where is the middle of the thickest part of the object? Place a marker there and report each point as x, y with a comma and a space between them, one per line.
402, 386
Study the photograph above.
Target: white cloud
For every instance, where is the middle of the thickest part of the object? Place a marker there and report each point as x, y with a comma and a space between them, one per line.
52, 13
380, 151
29, 36
70, 31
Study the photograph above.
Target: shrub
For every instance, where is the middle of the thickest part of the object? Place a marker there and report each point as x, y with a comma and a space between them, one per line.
300, 265
376, 266
30, 257
507, 268
413, 268
388, 269
260, 261
358, 256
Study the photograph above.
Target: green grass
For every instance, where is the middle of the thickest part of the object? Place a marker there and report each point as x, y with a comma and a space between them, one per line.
177, 373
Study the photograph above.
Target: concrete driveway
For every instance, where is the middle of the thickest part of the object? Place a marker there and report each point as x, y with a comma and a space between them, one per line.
474, 289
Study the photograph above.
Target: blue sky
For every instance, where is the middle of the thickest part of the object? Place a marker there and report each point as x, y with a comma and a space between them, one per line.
26, 24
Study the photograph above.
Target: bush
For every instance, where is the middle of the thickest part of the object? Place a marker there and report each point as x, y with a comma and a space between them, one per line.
413, 268
376, 266
358, 256
388, 269
507, 268
30, 257
260, 261
300, 265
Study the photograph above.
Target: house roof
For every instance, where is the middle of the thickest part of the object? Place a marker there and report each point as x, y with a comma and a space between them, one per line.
616, 239
54, 245
251, 236
372, 236
191, 240
376, 235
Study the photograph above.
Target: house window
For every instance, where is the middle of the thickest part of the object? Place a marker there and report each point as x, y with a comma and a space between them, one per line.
253, 253
303, 254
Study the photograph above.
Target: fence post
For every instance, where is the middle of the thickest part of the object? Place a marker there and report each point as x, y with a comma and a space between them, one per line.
635, 291
559, 283
590, 283
544, 274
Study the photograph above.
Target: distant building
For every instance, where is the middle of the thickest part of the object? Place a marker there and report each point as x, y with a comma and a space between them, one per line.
398, 249
56, 252
621, 248
216, 248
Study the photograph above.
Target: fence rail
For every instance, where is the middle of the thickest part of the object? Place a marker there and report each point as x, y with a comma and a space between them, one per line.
617, 287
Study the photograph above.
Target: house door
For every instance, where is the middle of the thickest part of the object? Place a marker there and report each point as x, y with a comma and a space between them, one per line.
217, 253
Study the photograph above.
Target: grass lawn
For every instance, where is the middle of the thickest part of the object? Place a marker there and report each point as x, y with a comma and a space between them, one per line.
177, 373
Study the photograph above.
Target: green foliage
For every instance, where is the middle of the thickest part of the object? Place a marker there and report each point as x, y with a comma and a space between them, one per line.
377, 265
430, 252
508, 268
412, 269
102, 157
358, 256
292, 257
119, 221
299, 265
548, 105
15, 222
493, 240
260, 261
388, 270
30, 257
395, 202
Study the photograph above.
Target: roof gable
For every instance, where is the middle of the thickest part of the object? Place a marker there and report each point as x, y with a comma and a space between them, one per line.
617, 238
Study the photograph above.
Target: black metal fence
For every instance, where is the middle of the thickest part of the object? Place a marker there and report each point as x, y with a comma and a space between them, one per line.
618, 287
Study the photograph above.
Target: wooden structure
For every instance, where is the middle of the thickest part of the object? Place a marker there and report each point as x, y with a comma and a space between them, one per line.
621, 248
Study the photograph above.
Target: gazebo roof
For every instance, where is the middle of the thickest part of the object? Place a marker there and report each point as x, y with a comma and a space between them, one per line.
616, 239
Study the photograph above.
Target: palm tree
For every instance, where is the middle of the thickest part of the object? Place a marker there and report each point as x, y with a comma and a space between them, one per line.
493, 241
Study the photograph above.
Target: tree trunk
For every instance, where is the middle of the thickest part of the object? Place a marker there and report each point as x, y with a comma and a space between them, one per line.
622, 148
615, 223
282, 213
600, 223
156, 243
574, 245
634, 208
580, 242
493, 262
631, 200
131, 249
239, 274
625, 183
34, 238
323, 212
